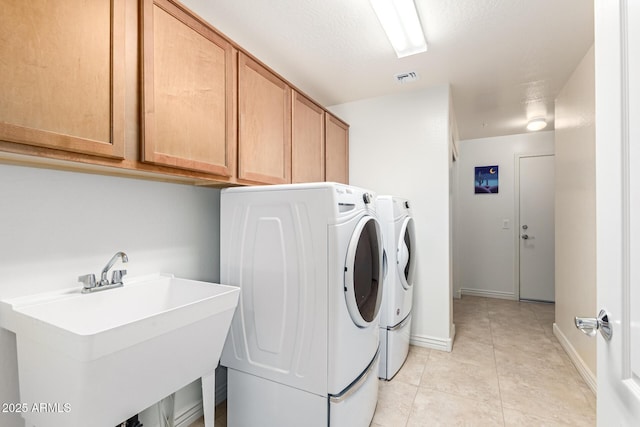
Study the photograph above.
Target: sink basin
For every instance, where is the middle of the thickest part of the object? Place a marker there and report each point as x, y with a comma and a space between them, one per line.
99, 358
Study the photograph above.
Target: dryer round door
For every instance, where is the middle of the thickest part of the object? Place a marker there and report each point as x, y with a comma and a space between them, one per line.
405, 257
363, 275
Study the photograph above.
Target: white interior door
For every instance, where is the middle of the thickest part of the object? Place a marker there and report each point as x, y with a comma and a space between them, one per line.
537, 232
617, 53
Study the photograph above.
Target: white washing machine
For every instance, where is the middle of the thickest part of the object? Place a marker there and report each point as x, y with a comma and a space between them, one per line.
395, 316
303, 345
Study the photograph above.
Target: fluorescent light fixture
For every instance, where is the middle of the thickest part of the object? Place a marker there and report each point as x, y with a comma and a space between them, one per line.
400, 21
537, 124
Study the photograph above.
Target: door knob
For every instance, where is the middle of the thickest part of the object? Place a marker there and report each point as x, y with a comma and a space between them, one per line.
589, 325
525, 236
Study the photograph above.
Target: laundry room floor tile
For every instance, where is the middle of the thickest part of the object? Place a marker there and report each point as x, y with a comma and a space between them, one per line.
513, 418
559, 400
468, 350
395, 400
475, 330
544, 312
434, 408
411, 371
533, 339
461, 379
513, 359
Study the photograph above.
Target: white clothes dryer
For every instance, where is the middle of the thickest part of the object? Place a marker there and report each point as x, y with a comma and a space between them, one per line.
395, 317
303, 344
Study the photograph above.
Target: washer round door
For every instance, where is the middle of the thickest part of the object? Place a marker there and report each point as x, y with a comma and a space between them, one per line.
363, 277
405, 257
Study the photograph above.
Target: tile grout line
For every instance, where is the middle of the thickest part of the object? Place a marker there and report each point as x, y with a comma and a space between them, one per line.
417, 388
493, 347
413, 401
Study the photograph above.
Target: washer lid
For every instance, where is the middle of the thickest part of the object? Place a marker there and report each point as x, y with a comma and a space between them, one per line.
363, 272
405, 259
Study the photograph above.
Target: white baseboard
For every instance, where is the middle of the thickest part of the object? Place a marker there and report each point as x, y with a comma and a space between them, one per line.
582, 368
489, 294
436, 343
189, 416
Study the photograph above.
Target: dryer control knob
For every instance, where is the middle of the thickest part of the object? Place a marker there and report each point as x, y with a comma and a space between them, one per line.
367, 198
406, 205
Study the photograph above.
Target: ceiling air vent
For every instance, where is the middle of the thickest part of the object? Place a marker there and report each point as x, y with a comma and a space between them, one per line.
408, 77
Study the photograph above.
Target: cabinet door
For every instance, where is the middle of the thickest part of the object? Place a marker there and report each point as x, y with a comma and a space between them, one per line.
307, 142
337, 149
189, 97
62, 68
264, 126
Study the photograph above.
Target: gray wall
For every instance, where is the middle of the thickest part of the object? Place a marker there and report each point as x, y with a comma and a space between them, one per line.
576, 214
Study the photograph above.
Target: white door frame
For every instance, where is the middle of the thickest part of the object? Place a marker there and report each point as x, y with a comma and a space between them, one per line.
516, 219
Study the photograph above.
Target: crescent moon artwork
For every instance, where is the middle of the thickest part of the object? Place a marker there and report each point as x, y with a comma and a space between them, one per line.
486, 179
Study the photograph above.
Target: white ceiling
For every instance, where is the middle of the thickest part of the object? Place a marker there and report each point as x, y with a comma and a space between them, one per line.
506, 60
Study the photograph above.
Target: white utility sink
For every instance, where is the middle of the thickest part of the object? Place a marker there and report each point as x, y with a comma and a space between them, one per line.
98, 358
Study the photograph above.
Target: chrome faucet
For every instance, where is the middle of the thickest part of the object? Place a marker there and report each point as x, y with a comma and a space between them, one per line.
89, 280
105, 270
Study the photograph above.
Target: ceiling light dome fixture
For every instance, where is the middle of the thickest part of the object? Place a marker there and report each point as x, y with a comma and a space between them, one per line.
399, 19
538, 123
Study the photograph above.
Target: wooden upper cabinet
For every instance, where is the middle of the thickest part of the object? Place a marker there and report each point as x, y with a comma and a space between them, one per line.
264, 124
188, 91
62, 75
337, 149
307, 145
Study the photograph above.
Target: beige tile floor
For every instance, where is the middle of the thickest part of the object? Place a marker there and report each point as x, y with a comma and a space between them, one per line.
506, 369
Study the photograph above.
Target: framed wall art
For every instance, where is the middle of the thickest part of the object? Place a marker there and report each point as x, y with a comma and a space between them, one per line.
486, 179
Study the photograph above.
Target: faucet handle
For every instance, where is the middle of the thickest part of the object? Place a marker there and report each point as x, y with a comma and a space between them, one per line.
117, 275
88, 280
